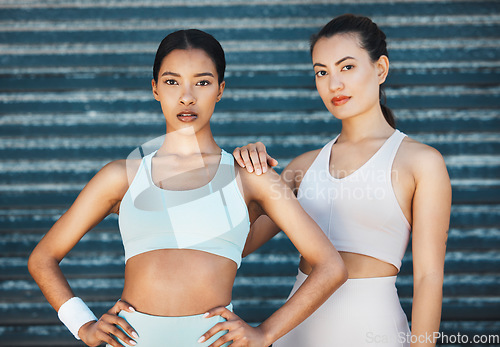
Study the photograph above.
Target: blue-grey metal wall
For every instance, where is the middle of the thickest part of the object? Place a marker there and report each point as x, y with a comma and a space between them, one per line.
75, 94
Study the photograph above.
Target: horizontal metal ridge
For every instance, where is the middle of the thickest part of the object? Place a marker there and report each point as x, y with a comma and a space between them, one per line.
115, 283
242, 68
76, 187
53, 4
84, 165
65, 48
238, 23
145, 95
148, 118
283, 140
114, 236
53, 212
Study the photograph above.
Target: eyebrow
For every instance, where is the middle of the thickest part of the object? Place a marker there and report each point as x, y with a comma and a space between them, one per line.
170, 73
344, 59
337, 63
196, 75
204, 74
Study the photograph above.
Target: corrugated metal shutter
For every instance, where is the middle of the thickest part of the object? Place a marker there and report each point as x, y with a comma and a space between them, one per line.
75, 94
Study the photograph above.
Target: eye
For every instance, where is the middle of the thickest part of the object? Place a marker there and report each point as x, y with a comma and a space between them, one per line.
320, 73
203, 83
170, 82
347, 67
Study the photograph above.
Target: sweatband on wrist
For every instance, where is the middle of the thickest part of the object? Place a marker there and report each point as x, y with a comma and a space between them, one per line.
74, 314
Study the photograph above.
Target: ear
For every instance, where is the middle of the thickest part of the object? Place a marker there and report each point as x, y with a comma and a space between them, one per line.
382, 66
155, 90
221, 90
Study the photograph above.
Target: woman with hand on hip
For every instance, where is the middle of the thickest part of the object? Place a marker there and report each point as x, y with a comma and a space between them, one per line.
368, 188
184, 219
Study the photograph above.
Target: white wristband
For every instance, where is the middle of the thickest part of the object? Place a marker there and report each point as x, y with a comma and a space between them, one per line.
74, 314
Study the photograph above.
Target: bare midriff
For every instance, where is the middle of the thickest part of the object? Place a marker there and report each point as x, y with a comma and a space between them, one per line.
178, 282
359, 266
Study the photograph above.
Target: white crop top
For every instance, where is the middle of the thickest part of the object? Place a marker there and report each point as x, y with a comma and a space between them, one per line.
359, 213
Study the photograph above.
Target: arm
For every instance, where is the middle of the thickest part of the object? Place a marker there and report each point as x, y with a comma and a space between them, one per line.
431, 216
261, 231
95, 201
264, 229
328, 271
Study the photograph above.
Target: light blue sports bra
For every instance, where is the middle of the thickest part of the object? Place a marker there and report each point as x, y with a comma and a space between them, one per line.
212, 218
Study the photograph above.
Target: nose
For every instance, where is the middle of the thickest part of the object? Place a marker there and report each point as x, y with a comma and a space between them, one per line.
335, 83
187, 97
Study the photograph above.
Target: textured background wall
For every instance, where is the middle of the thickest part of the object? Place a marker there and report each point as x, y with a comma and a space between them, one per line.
75, 94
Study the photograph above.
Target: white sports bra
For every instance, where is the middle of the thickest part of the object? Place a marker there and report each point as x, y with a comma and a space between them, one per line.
359, 213
212, 218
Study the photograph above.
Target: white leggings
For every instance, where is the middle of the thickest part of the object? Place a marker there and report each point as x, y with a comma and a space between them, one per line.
362, 312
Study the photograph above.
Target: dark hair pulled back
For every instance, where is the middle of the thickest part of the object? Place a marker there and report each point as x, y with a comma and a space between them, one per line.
371, 39
191, 39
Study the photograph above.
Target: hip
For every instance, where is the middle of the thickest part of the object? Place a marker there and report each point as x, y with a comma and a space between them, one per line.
180, 331
362, 312
374, 296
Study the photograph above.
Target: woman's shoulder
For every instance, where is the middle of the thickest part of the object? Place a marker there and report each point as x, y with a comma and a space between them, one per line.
303, 161
419, 149
118, 169
118, 174
421, 157
289, 175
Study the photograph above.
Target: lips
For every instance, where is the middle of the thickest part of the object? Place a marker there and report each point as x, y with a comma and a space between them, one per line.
187, 116
340, 100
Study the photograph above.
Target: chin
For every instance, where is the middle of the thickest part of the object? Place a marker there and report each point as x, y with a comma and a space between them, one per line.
341, 114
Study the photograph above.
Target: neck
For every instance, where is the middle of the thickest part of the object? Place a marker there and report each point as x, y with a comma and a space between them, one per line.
360, 127
187, 142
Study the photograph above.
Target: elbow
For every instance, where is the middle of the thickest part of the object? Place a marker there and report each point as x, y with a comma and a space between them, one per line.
245, 253
433, 278
38, 261
341, 274
32, 263
337, 273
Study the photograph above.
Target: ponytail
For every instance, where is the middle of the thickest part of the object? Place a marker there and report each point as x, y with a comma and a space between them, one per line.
388, 115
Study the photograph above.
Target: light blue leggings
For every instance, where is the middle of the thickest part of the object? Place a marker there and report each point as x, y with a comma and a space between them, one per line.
184, 331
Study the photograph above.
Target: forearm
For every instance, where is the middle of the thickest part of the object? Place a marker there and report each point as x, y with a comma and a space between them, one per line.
426, 309
319, 285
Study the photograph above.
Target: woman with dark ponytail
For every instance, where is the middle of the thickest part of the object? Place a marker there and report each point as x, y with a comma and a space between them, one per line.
369, 188
184, 211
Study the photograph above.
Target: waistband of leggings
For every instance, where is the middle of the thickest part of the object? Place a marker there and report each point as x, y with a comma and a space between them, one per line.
367, 295
167, 318
368, 283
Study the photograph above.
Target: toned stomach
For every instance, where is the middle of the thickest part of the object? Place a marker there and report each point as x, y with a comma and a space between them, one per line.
178, 282
359, 266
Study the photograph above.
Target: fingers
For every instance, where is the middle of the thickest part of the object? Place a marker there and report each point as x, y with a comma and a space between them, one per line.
261, 156
271, 161
121, 306
254, 157
245, 156
220, 311
262, 161
109, 325
237, 156
231, 335
256, 161
110, 321
109, 339
229, 316
230, 326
